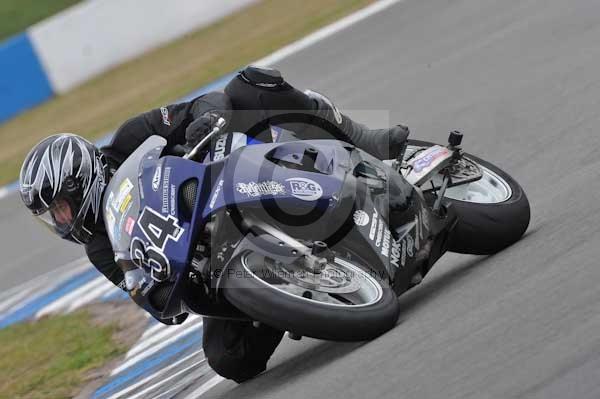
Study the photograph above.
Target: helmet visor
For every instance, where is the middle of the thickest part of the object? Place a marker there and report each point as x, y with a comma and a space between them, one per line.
59, 217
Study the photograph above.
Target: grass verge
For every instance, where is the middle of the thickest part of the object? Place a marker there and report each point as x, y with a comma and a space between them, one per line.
18, 15
167, 73
49, 358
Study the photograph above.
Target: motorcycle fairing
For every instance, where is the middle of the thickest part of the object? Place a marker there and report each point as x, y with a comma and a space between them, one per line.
287, 183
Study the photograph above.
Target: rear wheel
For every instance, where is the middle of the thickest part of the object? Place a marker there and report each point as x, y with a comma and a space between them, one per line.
493, 212
344, 303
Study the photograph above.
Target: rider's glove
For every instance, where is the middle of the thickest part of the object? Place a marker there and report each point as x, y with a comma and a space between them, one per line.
136, 279
200, 127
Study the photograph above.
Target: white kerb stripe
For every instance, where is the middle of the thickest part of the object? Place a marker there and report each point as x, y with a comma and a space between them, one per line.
184, 382
152, 330
23, 294
151, 351
19, 299
45, 282
94, 293
161, 382
65, 301
142, 344
152, 376
205, 387
159, 328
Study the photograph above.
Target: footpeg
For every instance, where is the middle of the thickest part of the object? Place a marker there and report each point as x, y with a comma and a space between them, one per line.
455, 139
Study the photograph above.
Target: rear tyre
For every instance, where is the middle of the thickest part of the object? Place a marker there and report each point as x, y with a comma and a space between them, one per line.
492, 213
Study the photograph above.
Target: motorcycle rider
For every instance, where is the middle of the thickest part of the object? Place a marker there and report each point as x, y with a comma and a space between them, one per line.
63, 178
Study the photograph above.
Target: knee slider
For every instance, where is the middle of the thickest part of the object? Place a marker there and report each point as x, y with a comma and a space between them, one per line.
234, 369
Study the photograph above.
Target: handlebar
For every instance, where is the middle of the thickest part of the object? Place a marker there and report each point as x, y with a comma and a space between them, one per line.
218, 126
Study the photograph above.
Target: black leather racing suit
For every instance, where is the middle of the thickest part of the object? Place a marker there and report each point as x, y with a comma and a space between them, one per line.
234, 349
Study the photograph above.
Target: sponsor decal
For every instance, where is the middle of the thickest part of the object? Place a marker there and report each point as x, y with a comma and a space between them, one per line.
373, 228
385, 246
125, 204
213, 200
165, 116
404, 247
361, 218
427, 160
258, 189
396, 251
379, 233
123, 197
156, 179
129, 225
165, 190
220, 147
172, 199
305, 189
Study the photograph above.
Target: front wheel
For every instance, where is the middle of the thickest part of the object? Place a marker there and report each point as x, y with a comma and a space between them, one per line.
493, 212
344, 303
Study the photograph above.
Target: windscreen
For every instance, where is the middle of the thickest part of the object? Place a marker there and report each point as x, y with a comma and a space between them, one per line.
121, 203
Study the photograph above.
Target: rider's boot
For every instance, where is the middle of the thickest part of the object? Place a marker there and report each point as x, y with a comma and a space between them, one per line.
381, 143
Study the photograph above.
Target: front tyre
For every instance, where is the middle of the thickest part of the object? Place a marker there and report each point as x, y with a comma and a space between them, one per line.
493, 212
346, 304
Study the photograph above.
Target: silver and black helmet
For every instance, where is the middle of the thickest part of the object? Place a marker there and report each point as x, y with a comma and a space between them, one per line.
61, 182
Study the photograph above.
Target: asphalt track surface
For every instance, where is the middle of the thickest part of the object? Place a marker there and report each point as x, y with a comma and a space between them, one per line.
520, 79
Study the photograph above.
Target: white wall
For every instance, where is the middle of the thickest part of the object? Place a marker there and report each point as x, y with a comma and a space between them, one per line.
89, 38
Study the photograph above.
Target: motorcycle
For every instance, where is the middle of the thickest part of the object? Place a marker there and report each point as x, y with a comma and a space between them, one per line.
314, 237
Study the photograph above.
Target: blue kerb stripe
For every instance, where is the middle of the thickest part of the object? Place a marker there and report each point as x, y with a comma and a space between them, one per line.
36, 305
115, 295
191, 339
23, 82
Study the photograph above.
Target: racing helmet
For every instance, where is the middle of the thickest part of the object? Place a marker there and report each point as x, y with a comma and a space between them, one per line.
61, 182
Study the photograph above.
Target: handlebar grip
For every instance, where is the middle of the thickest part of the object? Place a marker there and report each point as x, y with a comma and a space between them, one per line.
191, 154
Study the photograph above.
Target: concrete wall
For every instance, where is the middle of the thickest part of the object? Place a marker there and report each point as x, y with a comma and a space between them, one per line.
85, 40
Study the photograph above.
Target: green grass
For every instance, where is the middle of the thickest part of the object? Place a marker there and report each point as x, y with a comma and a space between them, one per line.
168, 73
49, 358
18, 15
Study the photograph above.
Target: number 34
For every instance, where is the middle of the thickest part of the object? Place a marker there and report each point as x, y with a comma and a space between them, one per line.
158, 229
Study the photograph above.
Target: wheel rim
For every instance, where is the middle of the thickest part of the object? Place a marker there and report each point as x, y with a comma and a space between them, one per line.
490, 189
361, 290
